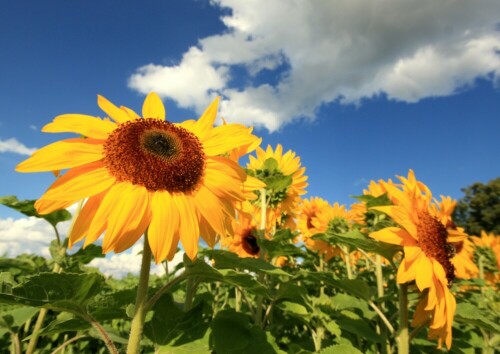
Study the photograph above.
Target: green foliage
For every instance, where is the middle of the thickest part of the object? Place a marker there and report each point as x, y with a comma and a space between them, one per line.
479, 208
27, 207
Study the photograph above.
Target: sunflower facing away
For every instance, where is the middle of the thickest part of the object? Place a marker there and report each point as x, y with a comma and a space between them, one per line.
427, 252
139, 173
271, 165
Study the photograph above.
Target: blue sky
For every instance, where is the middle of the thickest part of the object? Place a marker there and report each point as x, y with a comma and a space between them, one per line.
360, 90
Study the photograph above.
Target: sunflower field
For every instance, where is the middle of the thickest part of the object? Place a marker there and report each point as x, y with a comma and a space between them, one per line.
265, 270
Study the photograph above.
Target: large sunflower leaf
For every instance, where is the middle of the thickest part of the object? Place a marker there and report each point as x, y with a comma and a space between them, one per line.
469, 314
59, 291
232, 332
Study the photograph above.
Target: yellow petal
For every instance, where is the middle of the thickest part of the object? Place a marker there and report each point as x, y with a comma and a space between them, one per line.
224, 178
82, 223
207, 119
153, 107
113, 112
88, 126
164, 225
130, 112
225, 138
189, 231
45, 206
399, 215
80, 183
424, 273
126, 222
211, 208
394, 235
62, 155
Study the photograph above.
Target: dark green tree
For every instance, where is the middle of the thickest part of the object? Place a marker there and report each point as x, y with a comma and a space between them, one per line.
479, 209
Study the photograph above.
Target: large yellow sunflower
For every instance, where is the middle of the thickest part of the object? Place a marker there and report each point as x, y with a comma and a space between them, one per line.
427, 249
270, 165
144, 173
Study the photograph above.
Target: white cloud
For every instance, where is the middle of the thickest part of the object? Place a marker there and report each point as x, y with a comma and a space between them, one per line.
27, 235
31, 235
342, 51
121, 264
12, 145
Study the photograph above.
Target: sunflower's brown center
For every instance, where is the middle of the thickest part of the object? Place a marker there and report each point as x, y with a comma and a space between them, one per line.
249, 243
155, 154
432, 237
309, 223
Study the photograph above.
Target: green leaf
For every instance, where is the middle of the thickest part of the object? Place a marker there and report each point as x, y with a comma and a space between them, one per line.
355, 239
343, 301
350, 322
278, 183
198, 346
340, 349
15, 317
469, 314
275, 249
233, 333
59, 291
270, 165
65, 322
356, 287
27, 207
25, 265
229, 260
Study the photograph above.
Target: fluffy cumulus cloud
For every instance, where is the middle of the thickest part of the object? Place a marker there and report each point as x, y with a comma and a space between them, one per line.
31, 235
297, 55
14, 146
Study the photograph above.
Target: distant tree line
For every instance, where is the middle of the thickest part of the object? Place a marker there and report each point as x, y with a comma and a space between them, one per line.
479, 209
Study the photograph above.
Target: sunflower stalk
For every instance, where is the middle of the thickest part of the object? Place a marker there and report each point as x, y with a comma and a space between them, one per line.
260, 299
403, 336
141, 304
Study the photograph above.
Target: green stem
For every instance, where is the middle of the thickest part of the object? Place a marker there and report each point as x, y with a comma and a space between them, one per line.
345, 249
190, 292
102, 332
16, 343
260, 299
152, 301
403, 336
134, 342
68, 342
380, 292
237, 299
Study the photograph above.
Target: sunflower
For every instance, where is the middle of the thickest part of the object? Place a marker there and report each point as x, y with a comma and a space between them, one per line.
375, 189
465, 268
427, 249
273, 166
488, 253
318, 216
140, 174
243, 242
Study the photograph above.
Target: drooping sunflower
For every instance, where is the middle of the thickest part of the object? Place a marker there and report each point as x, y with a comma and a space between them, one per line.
139, 173
272, 165
243, 241
427, 252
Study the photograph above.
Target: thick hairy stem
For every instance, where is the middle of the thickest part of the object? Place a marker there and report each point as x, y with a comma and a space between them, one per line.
403, 336
134, 341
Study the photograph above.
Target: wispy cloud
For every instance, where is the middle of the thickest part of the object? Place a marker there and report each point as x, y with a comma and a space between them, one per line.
14, 146
322, 51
